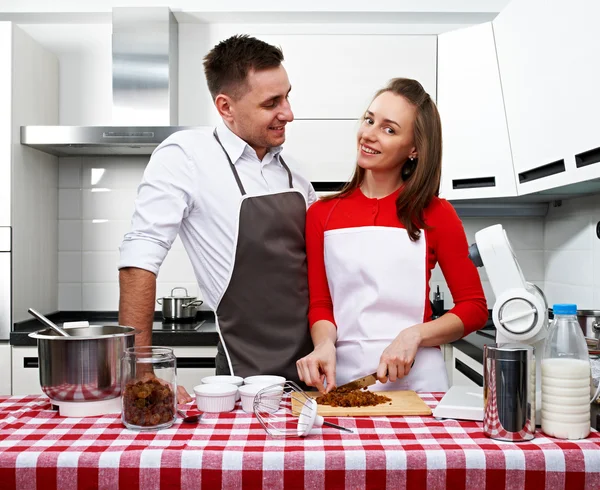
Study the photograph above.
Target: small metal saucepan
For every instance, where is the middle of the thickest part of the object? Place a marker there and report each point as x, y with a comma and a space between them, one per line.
178, 308
589, 320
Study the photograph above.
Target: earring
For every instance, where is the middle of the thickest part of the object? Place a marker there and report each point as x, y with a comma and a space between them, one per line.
412, 159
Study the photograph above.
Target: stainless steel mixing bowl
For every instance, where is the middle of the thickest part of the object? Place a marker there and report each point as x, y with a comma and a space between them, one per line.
86, 366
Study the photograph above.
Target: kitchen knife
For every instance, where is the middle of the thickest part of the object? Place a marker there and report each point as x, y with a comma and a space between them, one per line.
359, 383
363, 382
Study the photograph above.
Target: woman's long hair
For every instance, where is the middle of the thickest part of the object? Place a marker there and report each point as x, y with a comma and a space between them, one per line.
421, 176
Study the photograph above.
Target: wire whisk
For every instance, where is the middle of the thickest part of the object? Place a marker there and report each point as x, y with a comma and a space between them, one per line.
284, 410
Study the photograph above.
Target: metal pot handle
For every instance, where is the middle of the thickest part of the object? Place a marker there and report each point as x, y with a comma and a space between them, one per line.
596, 326
196, 302
179, 287
159, 301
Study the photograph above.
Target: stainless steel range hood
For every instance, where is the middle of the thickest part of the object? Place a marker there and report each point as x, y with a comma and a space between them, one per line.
95, 140
145, 89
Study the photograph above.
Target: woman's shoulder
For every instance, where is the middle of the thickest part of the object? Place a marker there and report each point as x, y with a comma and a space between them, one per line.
440, 212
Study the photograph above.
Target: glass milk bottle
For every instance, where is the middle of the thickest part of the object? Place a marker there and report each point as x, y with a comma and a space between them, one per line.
565, 377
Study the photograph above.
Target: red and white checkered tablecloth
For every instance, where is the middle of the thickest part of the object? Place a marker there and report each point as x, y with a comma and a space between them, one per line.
39, 449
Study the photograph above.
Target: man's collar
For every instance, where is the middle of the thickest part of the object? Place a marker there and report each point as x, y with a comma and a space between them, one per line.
235, 146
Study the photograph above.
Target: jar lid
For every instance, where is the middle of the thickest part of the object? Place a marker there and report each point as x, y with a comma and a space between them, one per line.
508, 352
564, 309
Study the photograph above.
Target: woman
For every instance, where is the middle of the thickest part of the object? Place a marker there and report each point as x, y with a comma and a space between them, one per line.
371, 249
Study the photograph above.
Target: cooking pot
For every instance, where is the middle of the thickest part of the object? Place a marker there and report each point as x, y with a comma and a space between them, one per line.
179, 307
589, 320
86, 366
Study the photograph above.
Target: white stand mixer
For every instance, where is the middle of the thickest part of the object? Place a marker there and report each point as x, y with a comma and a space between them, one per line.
520, 315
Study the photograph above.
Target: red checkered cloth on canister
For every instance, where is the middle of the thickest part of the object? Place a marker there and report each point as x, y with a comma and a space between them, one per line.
81, 392
39, 449
492, 426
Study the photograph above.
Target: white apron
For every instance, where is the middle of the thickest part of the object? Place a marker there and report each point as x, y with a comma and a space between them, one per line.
376, 277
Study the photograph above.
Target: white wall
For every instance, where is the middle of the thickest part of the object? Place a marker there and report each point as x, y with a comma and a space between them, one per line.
572, 253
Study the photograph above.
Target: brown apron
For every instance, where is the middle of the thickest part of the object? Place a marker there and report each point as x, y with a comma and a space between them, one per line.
262, 316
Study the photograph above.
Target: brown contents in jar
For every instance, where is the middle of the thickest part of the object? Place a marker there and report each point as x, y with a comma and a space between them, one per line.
352, 396
147, 403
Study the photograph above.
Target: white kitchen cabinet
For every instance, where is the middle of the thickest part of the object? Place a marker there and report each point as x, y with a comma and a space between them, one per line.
335, 76
466, 371
5, 369
193, 364
548, 57
323, 151
25, 371
5, 120
477, 160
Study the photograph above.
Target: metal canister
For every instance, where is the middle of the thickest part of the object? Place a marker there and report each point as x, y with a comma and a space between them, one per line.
509, 392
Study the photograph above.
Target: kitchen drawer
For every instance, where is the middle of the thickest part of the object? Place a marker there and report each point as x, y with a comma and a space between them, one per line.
193, 364
25, 371
466, 371
5, 369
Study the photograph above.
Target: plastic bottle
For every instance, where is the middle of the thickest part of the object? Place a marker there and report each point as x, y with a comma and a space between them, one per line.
565, 377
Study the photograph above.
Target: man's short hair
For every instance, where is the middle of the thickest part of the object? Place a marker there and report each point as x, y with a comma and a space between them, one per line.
227, 65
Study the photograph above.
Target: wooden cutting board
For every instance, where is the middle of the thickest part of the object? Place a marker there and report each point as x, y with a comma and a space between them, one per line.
403, 403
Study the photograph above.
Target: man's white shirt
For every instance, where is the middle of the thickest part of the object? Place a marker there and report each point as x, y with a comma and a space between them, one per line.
189, 189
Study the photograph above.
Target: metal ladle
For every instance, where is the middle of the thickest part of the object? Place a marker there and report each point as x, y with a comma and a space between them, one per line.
48, 323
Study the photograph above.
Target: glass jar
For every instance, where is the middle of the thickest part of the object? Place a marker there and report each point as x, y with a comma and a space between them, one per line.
149, 393
565, 377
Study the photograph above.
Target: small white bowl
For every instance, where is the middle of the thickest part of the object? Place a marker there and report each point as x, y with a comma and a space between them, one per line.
247, 394
225, 378
215, 397
265, 380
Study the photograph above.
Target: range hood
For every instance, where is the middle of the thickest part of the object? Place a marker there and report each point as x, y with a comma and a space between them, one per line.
145, 91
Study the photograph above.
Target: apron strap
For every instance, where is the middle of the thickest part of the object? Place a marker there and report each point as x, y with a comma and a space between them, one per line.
235, 172
231, 165
287, 169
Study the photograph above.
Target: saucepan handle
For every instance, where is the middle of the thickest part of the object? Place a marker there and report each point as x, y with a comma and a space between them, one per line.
196, 302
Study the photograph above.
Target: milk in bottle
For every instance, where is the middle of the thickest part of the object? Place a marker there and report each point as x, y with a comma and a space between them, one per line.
565, 377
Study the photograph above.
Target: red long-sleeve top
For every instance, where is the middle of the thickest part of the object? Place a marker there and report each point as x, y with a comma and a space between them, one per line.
446, 244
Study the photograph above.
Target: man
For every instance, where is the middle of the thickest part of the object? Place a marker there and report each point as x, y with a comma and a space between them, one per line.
240, 212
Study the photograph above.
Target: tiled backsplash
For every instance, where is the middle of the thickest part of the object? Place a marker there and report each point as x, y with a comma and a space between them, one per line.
96, 198
526, 236
572, 253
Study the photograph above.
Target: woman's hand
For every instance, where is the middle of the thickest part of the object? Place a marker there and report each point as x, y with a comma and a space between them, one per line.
319, 366
398, 357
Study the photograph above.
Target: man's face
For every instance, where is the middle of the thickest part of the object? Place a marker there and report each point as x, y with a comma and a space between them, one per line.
259, 116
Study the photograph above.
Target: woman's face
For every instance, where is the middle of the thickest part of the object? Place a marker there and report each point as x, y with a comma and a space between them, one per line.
386, 136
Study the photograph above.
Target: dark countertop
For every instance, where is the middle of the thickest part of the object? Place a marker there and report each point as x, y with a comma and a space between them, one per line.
201, 332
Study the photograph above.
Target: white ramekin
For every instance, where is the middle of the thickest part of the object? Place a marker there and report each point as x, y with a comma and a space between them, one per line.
247, 393
265, 379
215, 397
225, 378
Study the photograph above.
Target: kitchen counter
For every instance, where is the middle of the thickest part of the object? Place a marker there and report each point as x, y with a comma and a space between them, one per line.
231, 450
201, 332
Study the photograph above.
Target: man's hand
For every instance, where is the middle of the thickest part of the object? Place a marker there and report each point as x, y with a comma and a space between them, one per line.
397, 359
319, 366
183, 396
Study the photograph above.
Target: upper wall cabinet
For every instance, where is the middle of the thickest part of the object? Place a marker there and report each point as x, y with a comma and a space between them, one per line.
323, 151
335, 76
477, 160
548, 56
